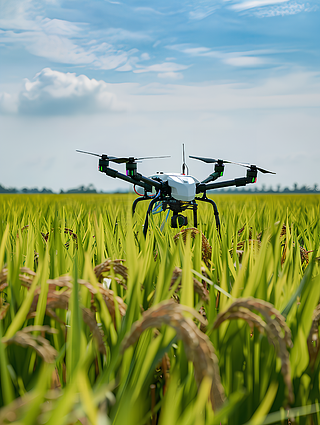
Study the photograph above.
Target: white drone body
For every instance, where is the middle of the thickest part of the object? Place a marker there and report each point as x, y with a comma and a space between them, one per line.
183, 187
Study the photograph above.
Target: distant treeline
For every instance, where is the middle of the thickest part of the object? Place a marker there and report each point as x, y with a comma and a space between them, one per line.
263, 189
80, 189
91, 189
24, 190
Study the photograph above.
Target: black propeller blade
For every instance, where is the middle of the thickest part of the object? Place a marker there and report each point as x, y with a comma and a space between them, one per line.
211, 160
255, 167
223, 161
122, 160
110, 158
132, 159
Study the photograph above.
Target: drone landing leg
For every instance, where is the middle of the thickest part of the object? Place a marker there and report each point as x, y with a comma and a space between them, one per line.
135, 202
195, 215
215, 209
145, 226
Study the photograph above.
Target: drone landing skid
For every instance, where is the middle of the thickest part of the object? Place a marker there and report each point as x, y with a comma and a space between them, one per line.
215, 210
177, 220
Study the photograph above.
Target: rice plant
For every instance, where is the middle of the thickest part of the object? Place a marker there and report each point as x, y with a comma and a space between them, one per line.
100, 325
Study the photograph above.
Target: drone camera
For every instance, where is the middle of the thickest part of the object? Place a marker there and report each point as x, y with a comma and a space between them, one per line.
178, 220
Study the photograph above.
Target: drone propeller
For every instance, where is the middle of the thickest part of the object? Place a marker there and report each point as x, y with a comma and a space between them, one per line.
132, 159
223, 161
121, 160
110, 158
262, 170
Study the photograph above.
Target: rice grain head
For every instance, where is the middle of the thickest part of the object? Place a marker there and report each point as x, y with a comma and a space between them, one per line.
198, 347
275, 328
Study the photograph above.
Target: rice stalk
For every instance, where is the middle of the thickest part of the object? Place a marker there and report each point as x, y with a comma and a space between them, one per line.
198, 347
205, 246
25, 338
276, 329
117, 267
4, 307
198, 287
313, 337
61, 300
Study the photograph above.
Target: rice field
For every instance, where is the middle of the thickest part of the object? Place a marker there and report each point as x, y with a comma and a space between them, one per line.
99, 325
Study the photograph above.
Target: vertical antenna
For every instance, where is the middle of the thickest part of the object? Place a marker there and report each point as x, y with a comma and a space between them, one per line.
184, 165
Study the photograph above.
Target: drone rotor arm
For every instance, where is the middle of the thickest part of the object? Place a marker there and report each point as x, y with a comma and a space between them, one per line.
203, 187
138, 180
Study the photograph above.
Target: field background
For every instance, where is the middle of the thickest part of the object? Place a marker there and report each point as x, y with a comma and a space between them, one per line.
192, 330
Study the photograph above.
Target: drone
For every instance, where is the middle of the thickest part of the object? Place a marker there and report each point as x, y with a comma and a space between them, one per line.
176, 192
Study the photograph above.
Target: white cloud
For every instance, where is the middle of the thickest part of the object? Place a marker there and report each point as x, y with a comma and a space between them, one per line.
56, 48
251, 4
148, 10
60, 27
14, 14
23, 23
27, 15
8, 103
120, 34
53, 39
111, 61
125, 68
244, 61
53, 93
192, 51
288, 9
171, 75
201, 13
272, 8
196, 51
145, 57
201, 9
238, 59
57, 93
296, 90
129, 65
58, 41
161, 67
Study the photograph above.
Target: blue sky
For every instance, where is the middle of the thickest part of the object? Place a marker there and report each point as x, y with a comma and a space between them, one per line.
237, 79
